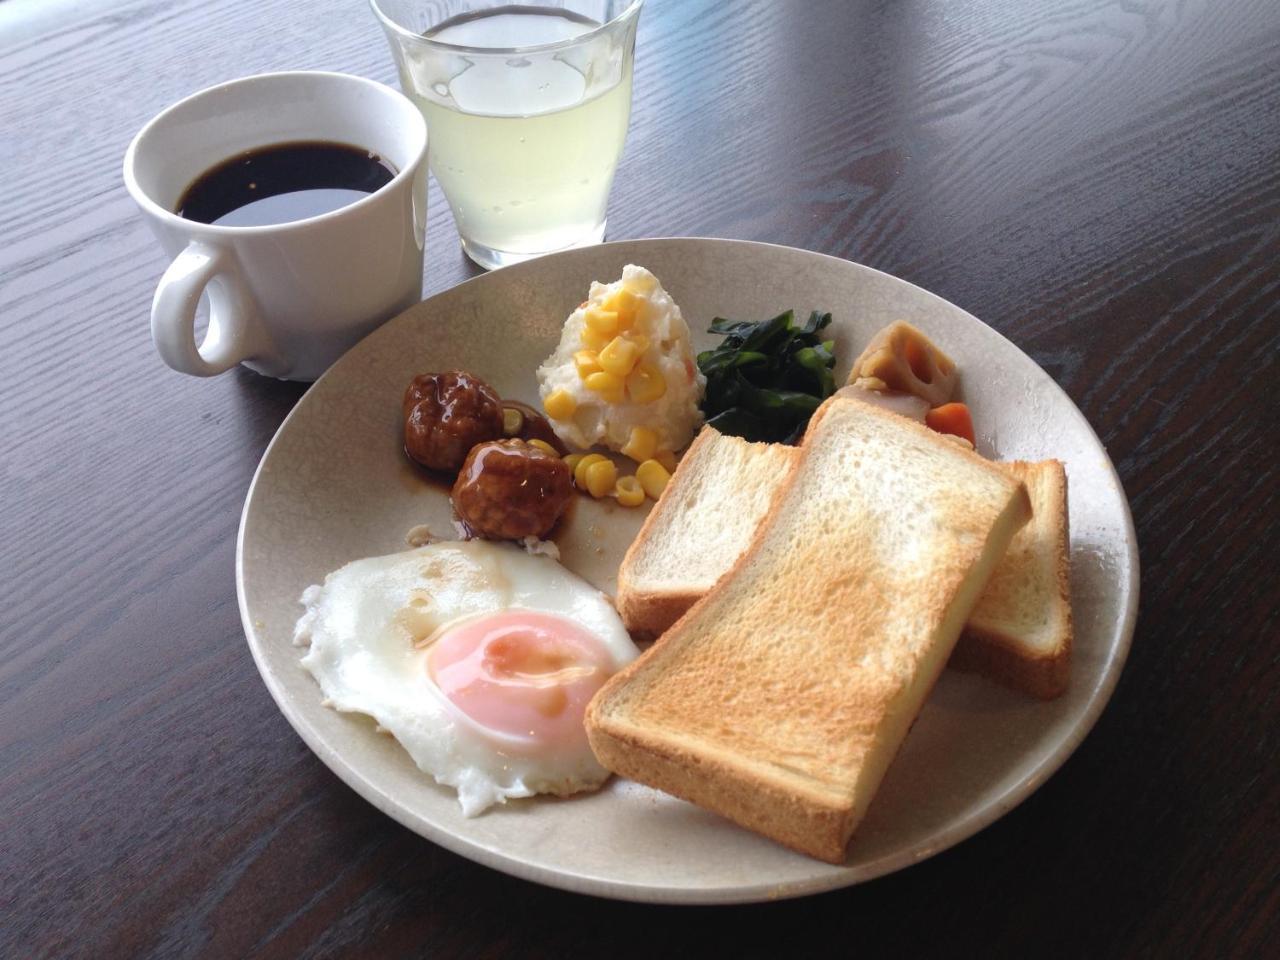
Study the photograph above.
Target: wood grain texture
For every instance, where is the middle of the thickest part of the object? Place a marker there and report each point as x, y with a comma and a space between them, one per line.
1100, 181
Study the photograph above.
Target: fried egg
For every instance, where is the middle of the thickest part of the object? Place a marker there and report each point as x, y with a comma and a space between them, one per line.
477, 657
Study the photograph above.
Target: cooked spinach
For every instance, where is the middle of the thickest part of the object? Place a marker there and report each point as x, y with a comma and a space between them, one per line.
765, 379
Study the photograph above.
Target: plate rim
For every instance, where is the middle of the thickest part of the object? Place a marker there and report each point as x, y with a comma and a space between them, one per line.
943, 838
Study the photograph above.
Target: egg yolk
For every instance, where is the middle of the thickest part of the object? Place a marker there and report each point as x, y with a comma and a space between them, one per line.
521, 673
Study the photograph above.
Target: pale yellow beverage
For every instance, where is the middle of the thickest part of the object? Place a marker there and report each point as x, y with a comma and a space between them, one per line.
524, 147
530, 184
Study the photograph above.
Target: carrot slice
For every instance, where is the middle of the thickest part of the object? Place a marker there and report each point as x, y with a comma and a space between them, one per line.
951, 418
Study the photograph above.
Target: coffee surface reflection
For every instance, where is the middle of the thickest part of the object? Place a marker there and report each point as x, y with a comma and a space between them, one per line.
282, 183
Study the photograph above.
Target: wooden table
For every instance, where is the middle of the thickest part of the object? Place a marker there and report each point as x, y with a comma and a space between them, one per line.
1098, 181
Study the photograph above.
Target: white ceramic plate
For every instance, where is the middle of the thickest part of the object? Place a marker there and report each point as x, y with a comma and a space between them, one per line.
333, 486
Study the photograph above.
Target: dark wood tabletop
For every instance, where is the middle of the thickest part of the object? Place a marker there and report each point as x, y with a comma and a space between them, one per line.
1099, 181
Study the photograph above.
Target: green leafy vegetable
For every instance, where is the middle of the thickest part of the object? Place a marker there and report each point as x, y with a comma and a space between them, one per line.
766, 379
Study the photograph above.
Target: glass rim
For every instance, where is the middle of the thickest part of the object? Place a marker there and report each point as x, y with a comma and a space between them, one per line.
390, 24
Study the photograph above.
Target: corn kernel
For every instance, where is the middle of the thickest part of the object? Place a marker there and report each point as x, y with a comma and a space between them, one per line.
667, 459
580, 467
619, 357
653, 478
641, 444
572, 461
646, 383
594, 340
628, 492
600, 477
602, 321
587, 362
624, 303
560, 405
544, 447
641, 342
607, 385
512, 421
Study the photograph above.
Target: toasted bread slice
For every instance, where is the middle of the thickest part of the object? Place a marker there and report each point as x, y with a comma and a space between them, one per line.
1020, 632
780, 698
712, 507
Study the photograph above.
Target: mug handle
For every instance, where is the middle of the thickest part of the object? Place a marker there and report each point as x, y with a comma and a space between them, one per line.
235, 332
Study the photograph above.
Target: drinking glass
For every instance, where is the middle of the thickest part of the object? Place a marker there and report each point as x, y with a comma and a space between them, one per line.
527, 108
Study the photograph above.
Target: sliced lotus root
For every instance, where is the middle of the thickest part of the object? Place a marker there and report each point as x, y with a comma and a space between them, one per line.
903, 358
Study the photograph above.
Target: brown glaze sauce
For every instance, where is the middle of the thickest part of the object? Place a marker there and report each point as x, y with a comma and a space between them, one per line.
416, 478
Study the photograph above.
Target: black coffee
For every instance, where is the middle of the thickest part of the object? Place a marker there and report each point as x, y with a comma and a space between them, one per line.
284, 182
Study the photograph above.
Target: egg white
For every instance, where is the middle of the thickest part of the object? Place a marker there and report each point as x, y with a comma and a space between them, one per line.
365, 626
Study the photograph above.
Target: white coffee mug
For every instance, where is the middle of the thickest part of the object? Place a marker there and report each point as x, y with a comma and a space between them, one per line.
287, 299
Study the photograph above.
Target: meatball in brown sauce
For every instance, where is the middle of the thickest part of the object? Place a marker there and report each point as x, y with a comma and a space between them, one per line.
509, 490
445, 415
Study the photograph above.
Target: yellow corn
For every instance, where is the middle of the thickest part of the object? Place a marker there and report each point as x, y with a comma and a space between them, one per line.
582, 465
602, 321
607, 385
641, 444
623, 303
667, 459
619, 357
573, 460
560, 405
587, 362
594, 340
628, 492
653, 478
641, 342
544, 447
600, 478
646, 383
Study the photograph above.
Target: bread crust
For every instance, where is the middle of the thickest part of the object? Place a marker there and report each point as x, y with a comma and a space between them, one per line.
1002, 656
648, 613
808, 823
995, 655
